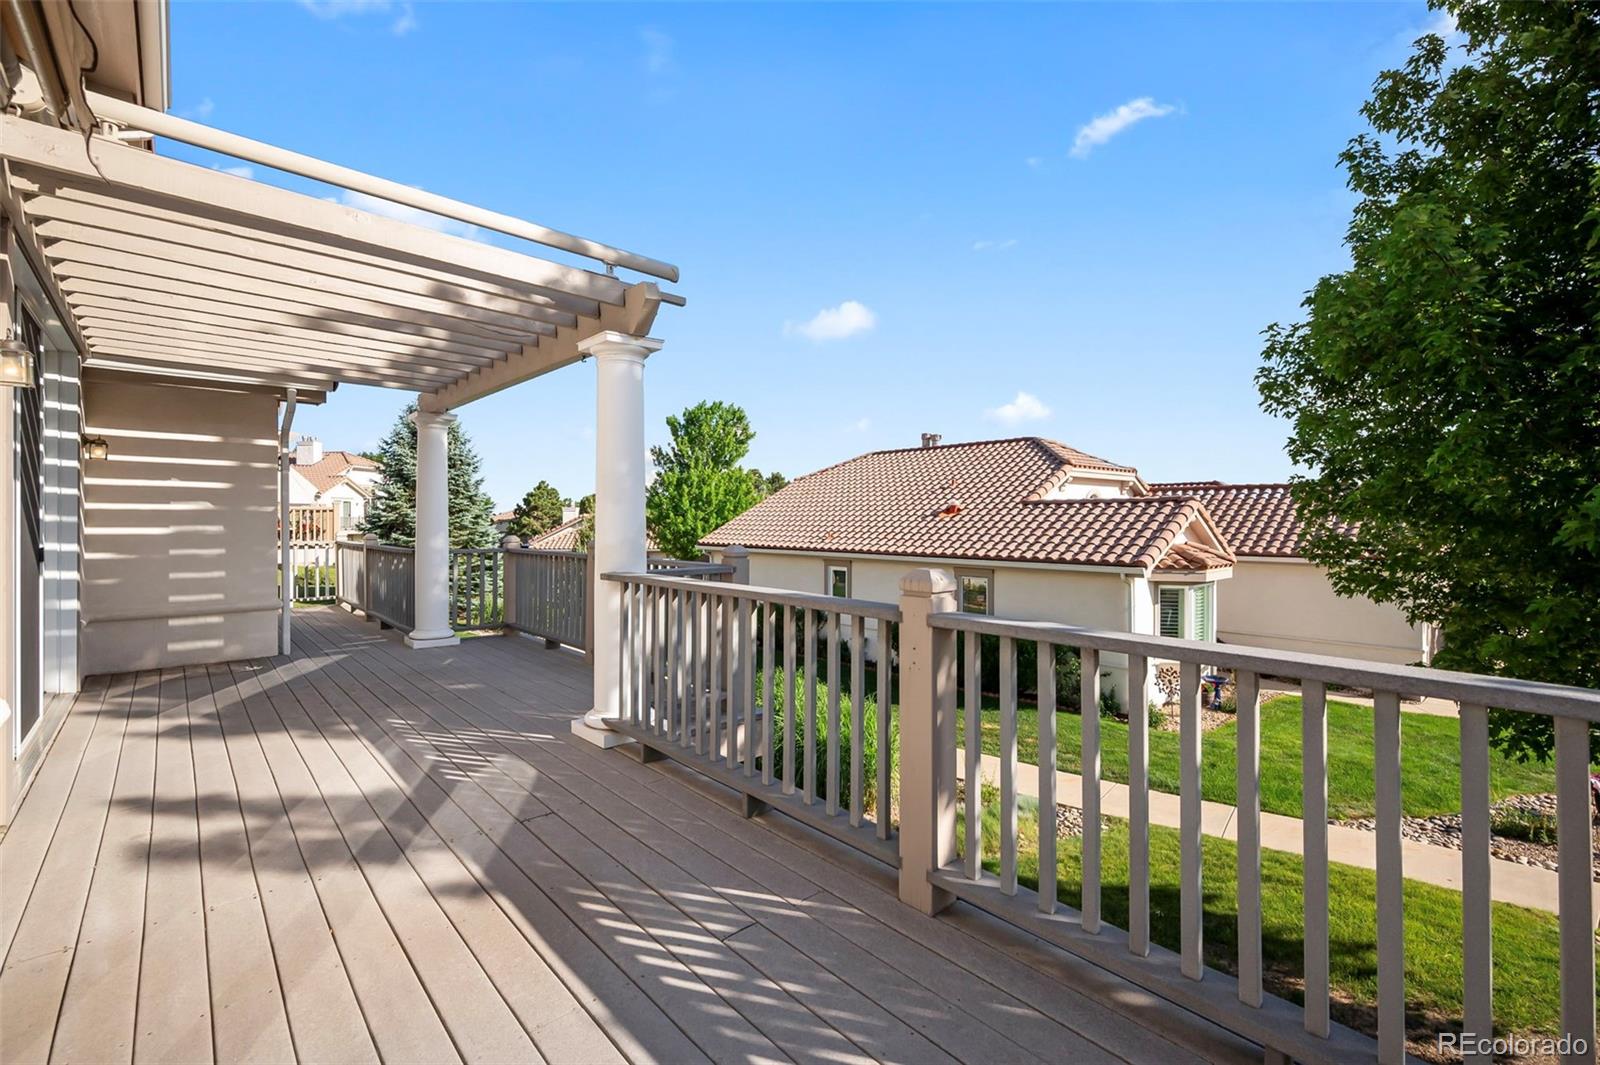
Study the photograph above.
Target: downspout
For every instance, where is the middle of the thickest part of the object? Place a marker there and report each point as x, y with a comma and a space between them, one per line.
286, 578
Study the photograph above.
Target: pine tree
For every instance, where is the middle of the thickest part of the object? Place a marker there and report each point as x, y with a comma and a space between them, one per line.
392, 513
538, 513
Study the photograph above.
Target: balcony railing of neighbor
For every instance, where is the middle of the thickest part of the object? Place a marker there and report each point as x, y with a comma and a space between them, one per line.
699, 666
312, 553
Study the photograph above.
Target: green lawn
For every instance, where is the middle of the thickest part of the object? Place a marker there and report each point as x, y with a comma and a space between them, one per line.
1430, 755
1526, 942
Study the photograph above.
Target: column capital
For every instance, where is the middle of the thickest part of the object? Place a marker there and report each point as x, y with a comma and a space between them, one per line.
612, 344
420, 418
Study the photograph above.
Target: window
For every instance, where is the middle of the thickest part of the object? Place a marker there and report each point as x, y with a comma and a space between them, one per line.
836, 579
344, 515
977, 590
1187, 611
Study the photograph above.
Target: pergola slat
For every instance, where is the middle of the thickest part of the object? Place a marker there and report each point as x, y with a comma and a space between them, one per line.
203, 338
425, 375
188, 360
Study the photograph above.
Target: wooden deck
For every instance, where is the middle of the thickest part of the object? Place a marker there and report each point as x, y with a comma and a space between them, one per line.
364, 852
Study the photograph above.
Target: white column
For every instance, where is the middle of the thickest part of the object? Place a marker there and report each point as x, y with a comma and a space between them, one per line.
432, 560
619, 535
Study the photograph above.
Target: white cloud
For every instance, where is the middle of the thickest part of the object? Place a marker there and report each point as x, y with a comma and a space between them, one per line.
1027, 407
405, 15
1103, 127
400, 212
202, 110
658, 49
1035, 161
862, 425
835, 323
994, 245
237, 171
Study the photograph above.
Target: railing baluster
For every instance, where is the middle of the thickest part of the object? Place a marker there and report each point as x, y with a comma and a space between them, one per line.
1477, 928
1314, 842
1138, 807
1089, 719
716, 666
770, 627
885, 670
791, 708
705, 646
747, 682
681, 689
1008, 765
974, 753
1575, 887
832, 765
1046, 687
858, 737
810, 742
1190, 902
1248, 818
1391, 885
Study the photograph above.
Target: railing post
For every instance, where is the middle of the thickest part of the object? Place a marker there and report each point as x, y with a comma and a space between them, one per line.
367, 541
739, 558
590, 592
508, 580
927, 737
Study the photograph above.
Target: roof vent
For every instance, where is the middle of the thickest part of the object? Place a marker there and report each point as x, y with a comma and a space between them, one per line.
931, 439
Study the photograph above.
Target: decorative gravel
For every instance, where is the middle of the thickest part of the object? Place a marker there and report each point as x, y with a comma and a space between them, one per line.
1444, 830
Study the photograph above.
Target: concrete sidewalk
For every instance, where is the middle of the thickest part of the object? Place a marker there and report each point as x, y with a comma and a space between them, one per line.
1521, 885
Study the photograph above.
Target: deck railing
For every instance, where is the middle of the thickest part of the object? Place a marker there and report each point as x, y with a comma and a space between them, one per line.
477, 588
379, 580
725, 677
548, 595
698, 667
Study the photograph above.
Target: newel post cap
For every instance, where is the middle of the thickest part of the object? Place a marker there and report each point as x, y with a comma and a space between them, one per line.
510, 540
370, 538
927, 582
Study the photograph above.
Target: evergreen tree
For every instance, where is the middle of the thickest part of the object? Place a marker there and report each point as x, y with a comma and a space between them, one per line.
538, 513
392, 515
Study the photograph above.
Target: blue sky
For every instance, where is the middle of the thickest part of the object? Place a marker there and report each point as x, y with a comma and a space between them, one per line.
1099, 207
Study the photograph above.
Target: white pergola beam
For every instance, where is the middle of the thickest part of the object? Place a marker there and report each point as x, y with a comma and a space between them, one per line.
104, 262
100, 343
85, 295
199, 373
206, 338
633, 318
98, 159
139, 216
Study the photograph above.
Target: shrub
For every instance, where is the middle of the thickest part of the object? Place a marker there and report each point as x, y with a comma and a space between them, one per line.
1110, 705
1154, 715
787, 695
1530, 825
1068, 671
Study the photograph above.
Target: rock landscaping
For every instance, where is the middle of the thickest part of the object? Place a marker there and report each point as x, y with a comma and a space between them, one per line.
1444, 830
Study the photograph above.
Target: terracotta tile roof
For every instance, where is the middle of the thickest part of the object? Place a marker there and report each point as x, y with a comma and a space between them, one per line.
1193, 557
331, 470
564, 537
981, 501
1256, 519
504, 515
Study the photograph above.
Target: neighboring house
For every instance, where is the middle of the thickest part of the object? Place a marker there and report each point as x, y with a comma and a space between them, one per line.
1279, 598
564, 537
342, 480
1032, 529
502, 521
1037, 530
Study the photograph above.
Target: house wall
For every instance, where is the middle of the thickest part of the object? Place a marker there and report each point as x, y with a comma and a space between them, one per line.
1071, 597
1292, 606
180, 527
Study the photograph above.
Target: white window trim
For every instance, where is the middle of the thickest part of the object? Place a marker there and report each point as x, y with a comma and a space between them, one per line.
828, 569
1187, 614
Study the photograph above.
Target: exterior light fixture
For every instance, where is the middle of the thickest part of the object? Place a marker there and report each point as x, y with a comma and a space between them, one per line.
95, 447
16, 364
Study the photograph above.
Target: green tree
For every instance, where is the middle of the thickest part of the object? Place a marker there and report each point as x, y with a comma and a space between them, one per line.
538, 513
392, 514
586, 504
699, 482
767, 483
1445, 389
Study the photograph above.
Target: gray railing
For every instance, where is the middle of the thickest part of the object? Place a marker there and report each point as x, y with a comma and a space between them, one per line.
477, 588
350, 575
391, 586
548, 595
709, 672
725, 677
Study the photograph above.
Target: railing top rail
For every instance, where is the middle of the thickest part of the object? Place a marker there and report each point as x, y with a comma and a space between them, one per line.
475, 550
700, 569
392, 549
865, 608
545, 552
1506, 693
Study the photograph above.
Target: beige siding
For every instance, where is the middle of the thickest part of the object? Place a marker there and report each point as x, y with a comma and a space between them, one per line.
1292, 606
180, 527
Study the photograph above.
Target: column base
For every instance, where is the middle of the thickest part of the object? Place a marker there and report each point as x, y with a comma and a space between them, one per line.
591, 728
420, 641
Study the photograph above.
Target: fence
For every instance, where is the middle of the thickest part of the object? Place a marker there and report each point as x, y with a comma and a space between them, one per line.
698, 667
313, 553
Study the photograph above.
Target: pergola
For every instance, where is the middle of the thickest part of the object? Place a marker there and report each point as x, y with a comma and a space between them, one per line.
173, 270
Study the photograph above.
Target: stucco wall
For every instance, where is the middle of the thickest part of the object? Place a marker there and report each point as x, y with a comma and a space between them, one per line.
180, 527
1292, 606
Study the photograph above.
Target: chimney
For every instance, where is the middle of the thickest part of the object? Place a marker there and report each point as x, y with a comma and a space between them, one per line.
568, 512
931, 439
307, 451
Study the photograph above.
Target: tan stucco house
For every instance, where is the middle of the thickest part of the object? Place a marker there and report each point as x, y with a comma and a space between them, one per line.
1036, 530
340, 480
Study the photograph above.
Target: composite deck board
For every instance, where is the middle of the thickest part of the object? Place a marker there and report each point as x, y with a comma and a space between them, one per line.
362, 852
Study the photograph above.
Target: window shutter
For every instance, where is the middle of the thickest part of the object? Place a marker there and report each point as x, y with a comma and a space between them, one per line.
1202, 612
1171, 619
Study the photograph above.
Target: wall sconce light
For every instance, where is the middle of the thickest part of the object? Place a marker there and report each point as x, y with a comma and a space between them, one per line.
16, 364
95, 447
